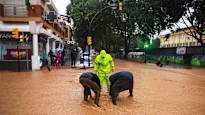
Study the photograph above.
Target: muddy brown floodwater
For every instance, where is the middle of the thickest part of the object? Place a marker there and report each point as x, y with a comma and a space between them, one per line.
157, 91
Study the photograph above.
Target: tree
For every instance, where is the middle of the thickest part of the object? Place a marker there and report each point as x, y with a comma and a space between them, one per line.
148, 17
137, 24
190, 14
144, 19
194, 19
81, 12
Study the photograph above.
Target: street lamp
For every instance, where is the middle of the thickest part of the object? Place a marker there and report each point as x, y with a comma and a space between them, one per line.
89, 37
112, 5
124, 19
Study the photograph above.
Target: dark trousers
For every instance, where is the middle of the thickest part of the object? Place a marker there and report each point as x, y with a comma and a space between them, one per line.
51, 58
62, 60
73, 59
45, 63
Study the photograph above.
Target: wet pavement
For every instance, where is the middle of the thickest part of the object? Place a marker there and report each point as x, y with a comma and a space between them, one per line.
157, 91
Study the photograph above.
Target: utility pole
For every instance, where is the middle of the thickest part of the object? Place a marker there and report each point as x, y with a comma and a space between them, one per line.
89, 37
15, 34
124, 19
18, 58
89, 41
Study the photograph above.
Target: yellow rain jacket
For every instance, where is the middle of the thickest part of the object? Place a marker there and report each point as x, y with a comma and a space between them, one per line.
103, 67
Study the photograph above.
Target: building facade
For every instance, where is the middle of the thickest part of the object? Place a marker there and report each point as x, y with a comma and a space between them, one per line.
41, 35
178, 39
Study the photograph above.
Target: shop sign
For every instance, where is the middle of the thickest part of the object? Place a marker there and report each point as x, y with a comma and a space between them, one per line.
9, 36
6, 36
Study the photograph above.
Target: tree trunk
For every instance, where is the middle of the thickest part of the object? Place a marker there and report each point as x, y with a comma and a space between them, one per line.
125, 49
125, 42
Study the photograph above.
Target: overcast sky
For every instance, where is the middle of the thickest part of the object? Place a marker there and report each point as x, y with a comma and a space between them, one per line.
61, 5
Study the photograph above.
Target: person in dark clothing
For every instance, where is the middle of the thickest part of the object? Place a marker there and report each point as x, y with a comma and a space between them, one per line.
159, 62
45, 63
120, 81
90, 81
50, 54
74, 53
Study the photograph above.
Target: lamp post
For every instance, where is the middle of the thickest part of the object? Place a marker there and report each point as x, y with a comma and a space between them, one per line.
18, 58
124, 20
16, 35
89, 37
89, 42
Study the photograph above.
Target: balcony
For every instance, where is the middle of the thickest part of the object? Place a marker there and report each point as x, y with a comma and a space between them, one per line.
51, 6
18, 13
14, 10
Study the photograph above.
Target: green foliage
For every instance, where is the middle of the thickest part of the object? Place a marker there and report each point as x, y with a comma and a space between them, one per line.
144, 19
195, 15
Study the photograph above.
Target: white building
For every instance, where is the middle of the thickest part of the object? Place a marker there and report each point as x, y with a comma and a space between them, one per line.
178, 39
43, 36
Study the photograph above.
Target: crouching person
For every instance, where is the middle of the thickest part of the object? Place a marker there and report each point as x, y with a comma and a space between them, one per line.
90, 81
120, 81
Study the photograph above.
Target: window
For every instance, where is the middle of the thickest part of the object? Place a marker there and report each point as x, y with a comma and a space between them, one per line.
15, 2
14, 8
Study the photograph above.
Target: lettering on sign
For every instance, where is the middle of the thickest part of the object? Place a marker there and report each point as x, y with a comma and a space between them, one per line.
6, 36
9, 36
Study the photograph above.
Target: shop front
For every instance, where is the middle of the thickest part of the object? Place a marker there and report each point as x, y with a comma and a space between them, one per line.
9, 52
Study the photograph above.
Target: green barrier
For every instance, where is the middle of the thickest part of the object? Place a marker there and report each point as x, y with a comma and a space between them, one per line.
176, 60
172, 59
202, 63
195, 62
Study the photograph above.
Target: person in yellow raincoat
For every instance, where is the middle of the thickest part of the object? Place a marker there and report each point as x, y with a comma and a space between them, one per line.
103, 67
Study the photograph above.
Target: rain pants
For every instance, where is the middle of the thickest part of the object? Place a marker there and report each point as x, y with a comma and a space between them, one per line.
103, 68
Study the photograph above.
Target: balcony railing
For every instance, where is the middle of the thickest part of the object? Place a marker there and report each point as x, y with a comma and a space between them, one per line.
51, 6
11, 10
15, 10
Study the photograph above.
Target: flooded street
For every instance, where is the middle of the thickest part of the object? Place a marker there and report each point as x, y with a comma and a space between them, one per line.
157, 91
